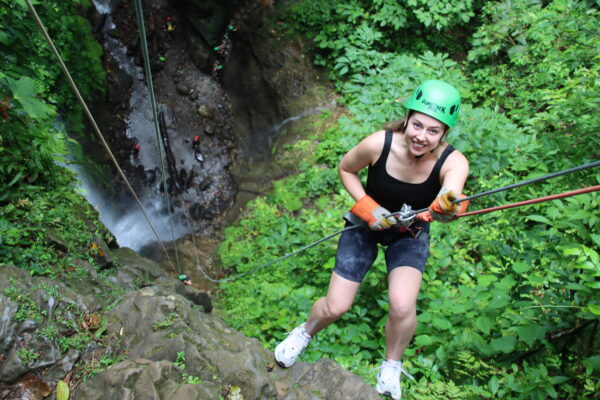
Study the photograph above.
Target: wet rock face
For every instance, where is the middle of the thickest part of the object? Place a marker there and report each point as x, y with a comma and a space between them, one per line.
232, 84
191, 104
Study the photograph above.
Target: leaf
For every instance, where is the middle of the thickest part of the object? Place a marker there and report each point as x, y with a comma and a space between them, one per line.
103, 326
441, 323
485, 280
499, 299
505, 344
592, 362
5, 38
24, 92
530, 333
506, 283
494, 385
423, 340
484, 323
539, 218
35, 108
62, 391
594, 309
521, 267
24, 87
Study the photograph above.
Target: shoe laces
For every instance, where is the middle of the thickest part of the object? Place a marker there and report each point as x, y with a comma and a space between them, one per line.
299, 338
393, 366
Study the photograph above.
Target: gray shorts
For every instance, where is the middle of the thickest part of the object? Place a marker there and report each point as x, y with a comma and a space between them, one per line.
357, 249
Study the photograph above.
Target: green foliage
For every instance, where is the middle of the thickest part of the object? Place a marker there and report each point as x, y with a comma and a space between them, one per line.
89, 370
25, 226
509, 305
442, 14
27, 307
360, 36
24, 92
27, 355
180, 362
539, 63
167, 321
37, 194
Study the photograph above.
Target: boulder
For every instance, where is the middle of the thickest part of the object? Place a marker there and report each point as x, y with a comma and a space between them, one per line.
177, 350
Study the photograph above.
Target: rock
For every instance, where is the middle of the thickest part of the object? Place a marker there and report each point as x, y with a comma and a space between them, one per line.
7, 327
28, 387
196, 211
158, 326
56, 240
119, 84
144, 379
182, 89
205, 183
209, 129
63, 366
102, 253
151, 175
194, 295
205, 111
199, 51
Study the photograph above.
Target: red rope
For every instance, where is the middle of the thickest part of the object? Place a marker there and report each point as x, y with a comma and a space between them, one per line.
533, 201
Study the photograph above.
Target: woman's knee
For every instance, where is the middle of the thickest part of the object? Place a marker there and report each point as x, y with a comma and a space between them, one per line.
401, 309
336, 309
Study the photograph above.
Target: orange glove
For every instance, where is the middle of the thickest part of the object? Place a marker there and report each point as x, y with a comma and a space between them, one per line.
372, 213
443, 209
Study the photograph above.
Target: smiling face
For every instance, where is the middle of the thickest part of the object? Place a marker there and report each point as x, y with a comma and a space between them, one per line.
423, 133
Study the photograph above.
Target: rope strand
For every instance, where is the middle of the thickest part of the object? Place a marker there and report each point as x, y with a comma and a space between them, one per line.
532, 201
144, 45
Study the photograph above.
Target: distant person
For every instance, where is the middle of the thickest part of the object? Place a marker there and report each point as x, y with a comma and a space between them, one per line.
216, 68
186, 280
169, 27
196, 142
136, 151
410, 166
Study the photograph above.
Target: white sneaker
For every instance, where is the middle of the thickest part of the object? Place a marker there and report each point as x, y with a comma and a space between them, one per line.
287, 352
388, 380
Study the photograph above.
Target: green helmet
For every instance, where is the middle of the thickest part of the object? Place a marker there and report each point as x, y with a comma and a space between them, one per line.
438, 100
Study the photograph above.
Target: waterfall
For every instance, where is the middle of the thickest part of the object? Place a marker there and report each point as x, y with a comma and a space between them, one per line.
127, 221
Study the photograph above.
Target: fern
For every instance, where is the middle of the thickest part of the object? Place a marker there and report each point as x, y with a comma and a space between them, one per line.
25, 91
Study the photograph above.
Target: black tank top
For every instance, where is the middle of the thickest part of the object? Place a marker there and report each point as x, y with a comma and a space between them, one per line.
391, 193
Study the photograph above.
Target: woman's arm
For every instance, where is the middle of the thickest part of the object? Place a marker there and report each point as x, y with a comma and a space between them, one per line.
454, 173
365, 153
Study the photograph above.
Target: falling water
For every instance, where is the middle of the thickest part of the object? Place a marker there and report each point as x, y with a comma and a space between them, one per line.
128, 223
104, 6
278, 127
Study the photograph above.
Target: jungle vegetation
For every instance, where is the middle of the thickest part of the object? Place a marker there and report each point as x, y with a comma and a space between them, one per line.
509, 306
